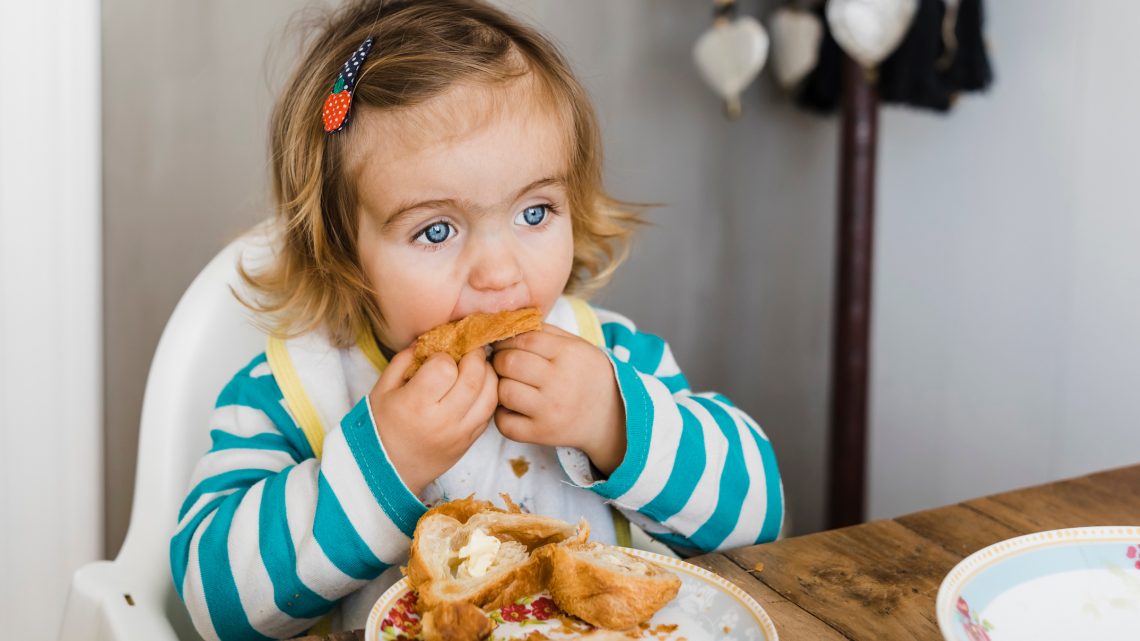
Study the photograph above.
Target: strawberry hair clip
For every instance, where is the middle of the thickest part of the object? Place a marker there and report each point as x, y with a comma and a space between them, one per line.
336, 110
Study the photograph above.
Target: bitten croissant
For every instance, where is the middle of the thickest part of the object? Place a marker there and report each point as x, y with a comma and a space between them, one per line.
470, 333
607, 587
468, 551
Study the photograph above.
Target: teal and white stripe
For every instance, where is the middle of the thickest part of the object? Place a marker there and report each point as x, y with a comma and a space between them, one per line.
269, 538
699, 474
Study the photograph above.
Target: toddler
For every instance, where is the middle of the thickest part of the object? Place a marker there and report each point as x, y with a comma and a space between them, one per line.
432, 159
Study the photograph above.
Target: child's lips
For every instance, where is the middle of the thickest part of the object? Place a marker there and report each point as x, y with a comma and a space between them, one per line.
487, 311
493, 308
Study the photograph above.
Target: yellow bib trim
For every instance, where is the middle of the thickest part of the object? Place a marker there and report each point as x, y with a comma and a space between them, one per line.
294, 392
367, 344
623, 536
589, 327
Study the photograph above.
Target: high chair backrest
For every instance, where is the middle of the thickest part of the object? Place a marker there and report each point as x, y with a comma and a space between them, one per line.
209, 338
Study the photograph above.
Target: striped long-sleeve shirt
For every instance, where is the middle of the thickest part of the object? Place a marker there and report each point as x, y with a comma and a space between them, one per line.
698, 474
270, 537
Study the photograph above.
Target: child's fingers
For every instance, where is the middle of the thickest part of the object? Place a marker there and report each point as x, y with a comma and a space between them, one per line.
435, 378
467, 385
484, 405
515, 426
519, 397
544, 343
523, 366
393, 376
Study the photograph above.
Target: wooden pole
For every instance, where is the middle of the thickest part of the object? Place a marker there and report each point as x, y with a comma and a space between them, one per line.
852, 324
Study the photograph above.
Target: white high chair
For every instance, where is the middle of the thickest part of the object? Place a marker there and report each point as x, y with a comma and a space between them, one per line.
206, 340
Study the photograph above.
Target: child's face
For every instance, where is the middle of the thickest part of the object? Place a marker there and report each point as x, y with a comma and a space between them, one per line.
463, 208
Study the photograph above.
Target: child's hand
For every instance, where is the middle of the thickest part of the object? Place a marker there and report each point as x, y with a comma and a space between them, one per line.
427, 424
557, 389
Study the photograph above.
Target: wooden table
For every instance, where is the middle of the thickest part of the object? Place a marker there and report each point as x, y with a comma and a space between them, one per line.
878, 581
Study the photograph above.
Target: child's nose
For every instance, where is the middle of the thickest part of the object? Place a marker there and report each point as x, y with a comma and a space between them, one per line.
495, 266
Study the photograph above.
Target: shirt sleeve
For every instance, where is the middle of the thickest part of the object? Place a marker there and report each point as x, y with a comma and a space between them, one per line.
698, 474
269, 537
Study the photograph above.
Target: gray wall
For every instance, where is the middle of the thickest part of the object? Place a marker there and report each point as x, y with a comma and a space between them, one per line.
1005, 316
1007, 320
186, 93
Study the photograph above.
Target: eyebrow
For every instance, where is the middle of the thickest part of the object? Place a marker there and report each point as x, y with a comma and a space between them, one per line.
405, 209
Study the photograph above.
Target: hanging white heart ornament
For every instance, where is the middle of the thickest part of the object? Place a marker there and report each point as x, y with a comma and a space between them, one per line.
730, 55
870, 30
796, 35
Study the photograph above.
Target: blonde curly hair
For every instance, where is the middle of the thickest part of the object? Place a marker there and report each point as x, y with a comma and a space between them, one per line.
421, 49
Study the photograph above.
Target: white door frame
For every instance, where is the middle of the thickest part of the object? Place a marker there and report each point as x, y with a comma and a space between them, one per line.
51, 410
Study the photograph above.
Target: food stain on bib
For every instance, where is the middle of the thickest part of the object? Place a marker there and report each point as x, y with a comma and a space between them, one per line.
520, 466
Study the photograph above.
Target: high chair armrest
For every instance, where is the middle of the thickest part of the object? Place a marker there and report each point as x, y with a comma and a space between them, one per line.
106, 603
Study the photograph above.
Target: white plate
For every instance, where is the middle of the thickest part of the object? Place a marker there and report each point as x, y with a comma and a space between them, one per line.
707, 607
1079, 583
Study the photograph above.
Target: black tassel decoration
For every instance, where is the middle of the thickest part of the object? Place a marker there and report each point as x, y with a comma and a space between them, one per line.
935, 61
970, 68
823, 87
910, 75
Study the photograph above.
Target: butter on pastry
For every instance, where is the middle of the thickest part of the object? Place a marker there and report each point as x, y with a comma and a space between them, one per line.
476, 556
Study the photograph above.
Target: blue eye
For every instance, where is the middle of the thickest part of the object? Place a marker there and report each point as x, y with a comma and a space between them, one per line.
435, 233
533, 215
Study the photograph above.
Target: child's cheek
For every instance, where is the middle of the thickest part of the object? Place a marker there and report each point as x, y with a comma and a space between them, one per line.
413, 298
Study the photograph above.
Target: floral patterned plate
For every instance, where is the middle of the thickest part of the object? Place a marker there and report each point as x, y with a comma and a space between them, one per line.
707, 607
1079, 583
